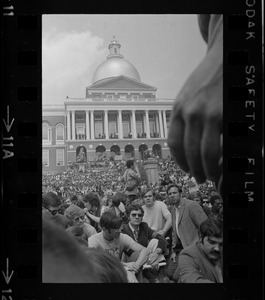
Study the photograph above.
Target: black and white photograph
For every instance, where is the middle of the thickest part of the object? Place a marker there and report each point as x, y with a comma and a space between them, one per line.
132, 110
132, 150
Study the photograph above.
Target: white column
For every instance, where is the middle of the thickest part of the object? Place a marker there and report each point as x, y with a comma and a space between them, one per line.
68, 126
87, 125
160, 125
157, 122
106, 124
92, 125
73, 125
134, 133
120, 129
165, 123
147, 124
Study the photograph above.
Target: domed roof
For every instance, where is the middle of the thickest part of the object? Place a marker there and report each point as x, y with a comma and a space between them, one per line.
115, 65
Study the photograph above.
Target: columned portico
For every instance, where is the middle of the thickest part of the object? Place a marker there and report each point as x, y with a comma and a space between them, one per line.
119, 112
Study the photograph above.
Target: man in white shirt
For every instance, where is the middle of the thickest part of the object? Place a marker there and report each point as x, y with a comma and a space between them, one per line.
156, 213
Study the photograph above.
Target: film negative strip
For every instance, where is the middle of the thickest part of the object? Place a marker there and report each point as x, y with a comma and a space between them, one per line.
21, 164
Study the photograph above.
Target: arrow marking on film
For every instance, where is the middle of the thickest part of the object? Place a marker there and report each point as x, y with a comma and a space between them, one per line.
8, 127
6, 275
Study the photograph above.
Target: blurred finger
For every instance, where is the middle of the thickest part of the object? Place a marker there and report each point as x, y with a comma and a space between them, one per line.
211, 151
175, 142
192, 143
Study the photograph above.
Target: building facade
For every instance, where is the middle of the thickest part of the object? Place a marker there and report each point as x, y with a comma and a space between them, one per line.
120, 117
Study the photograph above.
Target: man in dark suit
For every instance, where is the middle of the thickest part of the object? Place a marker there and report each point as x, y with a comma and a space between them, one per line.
187, 215
147, 237
202, 261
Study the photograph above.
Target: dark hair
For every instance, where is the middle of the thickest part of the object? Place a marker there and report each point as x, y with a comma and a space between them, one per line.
195, 195
50, 199
174, 185
211, 227
73, 198
122, 197
158, 197
145, 190
220, 216
108, 268
63, 261
110, 220
213, 198
129, 163
80, 204
132, 207
92, 198
116, 201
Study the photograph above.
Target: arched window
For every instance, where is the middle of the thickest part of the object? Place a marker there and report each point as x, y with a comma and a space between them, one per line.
46, 134
59, 133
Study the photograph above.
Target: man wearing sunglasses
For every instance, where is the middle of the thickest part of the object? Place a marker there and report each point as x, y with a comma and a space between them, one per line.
50, 209
147, 237
111, 240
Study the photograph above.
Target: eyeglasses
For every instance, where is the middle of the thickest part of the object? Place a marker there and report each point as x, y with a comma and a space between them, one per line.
137, 215
81, 218
53, 212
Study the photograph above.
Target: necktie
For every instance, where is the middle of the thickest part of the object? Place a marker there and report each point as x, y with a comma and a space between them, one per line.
136, 234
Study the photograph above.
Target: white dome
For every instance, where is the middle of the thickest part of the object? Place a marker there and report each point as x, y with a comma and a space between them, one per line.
115, 65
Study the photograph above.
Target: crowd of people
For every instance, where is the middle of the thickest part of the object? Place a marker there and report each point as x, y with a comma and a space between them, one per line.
105, 177
104, 226
134, 223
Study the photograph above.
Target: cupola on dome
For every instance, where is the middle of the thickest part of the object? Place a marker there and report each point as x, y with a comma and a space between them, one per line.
115, 65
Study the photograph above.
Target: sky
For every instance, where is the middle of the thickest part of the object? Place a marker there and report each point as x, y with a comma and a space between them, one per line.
165, 49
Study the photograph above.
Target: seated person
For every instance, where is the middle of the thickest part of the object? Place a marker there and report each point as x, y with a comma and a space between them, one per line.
201, 262
147, 237
92, 208
76, 217
111, 240
63, 261
118, 207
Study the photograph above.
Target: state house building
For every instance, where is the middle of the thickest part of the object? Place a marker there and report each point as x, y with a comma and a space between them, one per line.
120, 116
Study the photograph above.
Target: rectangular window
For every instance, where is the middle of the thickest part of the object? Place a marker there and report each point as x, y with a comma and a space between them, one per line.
59, 133
98, 129
152, 127
45, 158
151, 117
80, 117
98, 117
139, 127
126, 129
112, 128
80, 129
60, 157
135, 97
123, 96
